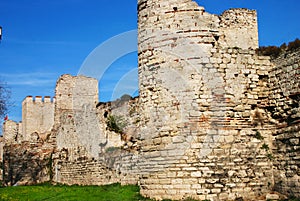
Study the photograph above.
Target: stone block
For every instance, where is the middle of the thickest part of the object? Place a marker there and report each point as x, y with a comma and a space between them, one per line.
212, 181
196, 174
273, 197
177, 181
203, 191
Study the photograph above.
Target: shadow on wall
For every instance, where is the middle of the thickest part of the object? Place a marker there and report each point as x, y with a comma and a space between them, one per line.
26, 165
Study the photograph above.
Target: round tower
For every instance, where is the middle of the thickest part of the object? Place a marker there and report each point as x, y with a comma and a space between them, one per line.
176, 39
174, 36
199, 82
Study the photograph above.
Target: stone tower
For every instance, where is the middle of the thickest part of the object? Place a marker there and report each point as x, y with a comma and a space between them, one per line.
75, 114
214, 121
37, 115
200, 81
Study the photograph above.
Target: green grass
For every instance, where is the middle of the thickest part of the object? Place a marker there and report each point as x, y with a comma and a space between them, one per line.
114, 192
47, 192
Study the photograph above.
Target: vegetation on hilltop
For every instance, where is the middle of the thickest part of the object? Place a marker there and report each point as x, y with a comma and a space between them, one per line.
274, 51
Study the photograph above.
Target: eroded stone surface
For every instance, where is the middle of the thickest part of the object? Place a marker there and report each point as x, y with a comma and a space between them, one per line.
214, 121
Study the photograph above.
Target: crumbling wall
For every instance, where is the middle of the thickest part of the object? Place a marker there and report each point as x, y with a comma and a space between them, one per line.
85, 143
37, 115
27, 148
105, 114
117, 160
11, 131
27, 163
126, 111
114, 166
205, 143
200, 99
214, 121
240, 28
76, 122
284, 83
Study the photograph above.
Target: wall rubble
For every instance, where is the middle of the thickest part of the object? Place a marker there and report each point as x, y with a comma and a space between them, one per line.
27, 163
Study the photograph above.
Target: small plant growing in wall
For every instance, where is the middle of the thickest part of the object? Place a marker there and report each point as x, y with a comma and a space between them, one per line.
258, 136
116, 123
270, 156
112, 149
265, 147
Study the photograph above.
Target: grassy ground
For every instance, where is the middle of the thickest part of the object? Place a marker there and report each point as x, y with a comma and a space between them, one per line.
47, 192
114, 192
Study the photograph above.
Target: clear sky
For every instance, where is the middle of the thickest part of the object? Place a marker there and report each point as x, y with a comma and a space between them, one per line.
43, 39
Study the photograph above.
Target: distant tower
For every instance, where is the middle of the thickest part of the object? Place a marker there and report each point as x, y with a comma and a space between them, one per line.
37, 115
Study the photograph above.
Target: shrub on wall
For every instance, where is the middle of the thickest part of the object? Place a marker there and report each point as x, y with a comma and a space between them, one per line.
116, 123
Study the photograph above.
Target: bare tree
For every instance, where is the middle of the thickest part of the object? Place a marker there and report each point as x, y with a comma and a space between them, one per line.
4, 99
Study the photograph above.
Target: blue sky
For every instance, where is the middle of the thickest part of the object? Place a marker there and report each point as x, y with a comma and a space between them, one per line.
43, 39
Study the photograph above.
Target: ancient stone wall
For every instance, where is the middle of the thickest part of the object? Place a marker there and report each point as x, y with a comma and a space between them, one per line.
27, 147
114, 166
214, 121
76, 121
12, 131
37, 115
199, 100
27, 163
201, 142
125, 111
104, 111
284, 83
239, 27
117, 152
86, 145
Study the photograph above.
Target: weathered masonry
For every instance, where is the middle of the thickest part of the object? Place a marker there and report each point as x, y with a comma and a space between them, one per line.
214, 121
